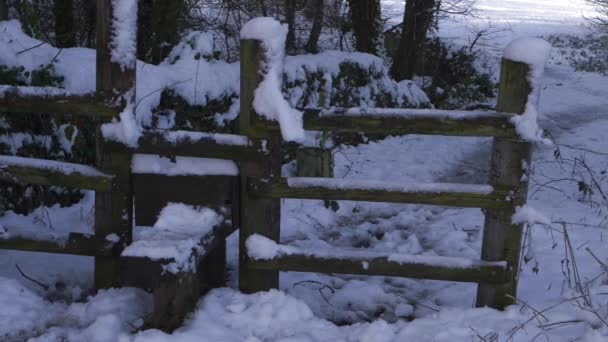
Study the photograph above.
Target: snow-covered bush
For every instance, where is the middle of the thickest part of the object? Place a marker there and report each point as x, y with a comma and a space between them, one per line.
346, 79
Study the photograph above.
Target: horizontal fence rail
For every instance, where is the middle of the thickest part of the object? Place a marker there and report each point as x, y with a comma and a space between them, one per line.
53, 100
386, 121
456, 195
195, 144
74, 244
50, 172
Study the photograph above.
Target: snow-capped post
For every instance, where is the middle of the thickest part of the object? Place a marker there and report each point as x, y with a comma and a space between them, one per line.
258, 215
521, 71
116, 60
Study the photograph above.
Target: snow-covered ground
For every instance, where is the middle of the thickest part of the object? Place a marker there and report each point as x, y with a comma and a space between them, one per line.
566, 186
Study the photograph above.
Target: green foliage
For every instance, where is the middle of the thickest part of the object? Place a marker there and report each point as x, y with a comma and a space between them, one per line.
41, 136
455, 81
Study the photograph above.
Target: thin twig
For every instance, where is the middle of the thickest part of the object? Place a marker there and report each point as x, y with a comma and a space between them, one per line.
44, 286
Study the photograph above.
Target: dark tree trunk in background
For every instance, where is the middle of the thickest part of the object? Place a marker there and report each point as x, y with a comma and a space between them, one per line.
318, 9
3, 10
417, 21
65, 32
90, 23
367, 28
159, 25
290, 16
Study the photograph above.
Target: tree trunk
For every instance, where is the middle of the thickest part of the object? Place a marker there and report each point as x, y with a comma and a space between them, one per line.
65, 33
417, 21
3, 10
290, 16
159, 23
318, 7
365, 17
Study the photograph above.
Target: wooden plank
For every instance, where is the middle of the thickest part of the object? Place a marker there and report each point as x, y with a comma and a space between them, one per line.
384, 266
157, 143
462, 199
258, 215
75, 244
411, 121
510, 166
18, 100
149, 274
153, 192
21, 170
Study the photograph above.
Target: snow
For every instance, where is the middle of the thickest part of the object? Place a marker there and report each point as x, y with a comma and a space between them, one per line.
51, 165
176, 137
123, 42
374, 185
175, 236
534, 52
529, 50
529, 215
126, 130
152, 164
268, 99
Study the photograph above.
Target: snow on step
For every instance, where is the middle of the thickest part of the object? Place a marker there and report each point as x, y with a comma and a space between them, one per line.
176, 137
50, 165
153, 164
373, 185
262, 248
175, 236
413, 114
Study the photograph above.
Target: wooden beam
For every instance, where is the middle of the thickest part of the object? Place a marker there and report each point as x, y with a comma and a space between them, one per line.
384, 266
462, 199
399, 122
146, 273
76, 244
49, 172
18, 100
157, 143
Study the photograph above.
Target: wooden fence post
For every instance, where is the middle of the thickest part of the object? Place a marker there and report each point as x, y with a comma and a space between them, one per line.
113, 210
510, 158
257, 215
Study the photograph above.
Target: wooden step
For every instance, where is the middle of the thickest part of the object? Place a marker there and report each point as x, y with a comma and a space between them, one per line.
456, 195
145, 272
265, 254
195, 144
74, 244
55, 173
52, 100
397, 122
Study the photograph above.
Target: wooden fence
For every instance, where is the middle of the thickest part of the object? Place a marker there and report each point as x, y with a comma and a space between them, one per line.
263, 188
255, 196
